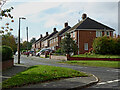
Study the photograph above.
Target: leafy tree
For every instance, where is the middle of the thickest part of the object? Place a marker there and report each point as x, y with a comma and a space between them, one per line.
5, 13
24, 45
68, 45
32, 40
9, 40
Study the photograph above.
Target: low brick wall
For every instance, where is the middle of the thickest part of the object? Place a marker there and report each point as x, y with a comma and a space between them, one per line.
7, 64
85, 58
43, 56
58, 57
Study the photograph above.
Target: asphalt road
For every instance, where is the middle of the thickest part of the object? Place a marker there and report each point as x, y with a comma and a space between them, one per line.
109, 77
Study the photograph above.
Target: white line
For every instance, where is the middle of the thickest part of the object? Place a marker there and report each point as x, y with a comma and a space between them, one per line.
108, 82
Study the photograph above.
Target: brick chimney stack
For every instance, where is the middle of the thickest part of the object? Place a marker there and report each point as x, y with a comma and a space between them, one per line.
54, 30
46, 33
66, 24
40, 35
84, 16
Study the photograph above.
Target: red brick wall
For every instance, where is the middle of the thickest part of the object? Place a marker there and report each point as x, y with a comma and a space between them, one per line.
7, 64
86, 37
91, 59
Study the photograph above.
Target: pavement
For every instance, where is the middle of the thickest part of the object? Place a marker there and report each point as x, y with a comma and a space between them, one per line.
69, 83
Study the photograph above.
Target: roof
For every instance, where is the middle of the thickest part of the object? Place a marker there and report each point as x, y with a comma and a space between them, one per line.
62, 31
89, 23
49, 36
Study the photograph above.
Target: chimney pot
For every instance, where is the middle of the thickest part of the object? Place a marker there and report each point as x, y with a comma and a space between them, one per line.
84, 16
40, 35
66, 24
46, 33
54, 29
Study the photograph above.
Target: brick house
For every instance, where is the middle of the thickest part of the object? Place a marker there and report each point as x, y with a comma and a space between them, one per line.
45, 41
85, 31
37, 44
54, 41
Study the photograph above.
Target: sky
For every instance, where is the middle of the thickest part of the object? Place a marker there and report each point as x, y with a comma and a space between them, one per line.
43, 15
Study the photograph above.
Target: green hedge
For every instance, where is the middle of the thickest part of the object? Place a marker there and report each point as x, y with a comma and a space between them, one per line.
7, 53
106, 45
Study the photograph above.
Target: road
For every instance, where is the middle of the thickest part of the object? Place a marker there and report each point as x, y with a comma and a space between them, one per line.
109, 77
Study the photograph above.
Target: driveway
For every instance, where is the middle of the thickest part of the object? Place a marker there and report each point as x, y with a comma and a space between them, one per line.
108, 76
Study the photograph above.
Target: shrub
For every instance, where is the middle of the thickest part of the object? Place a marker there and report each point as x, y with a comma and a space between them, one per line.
105, 45
58, 51
7, 53
23, 51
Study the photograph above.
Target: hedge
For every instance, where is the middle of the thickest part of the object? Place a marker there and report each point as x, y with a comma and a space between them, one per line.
106, 45
7, 53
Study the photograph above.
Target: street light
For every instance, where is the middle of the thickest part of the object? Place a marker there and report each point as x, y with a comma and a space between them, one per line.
19, 40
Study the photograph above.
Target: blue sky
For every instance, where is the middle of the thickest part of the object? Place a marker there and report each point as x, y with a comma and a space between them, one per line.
43, 16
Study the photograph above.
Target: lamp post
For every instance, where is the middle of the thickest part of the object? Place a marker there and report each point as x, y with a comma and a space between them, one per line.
19, 40
27, 40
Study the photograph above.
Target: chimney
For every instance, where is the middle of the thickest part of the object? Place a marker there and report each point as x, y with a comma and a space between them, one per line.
84, 16
66, 24
54, 30
40, 35
46, 33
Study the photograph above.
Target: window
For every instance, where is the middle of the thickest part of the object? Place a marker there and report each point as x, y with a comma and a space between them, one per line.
98, 33
73, 34
108, 33
85, 46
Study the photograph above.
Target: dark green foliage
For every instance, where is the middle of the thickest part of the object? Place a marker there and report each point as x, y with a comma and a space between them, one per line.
9, 40
58, 51
106, 45
7, 53
68, 45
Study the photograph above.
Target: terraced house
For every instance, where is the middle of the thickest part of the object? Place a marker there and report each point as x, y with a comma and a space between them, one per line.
54, 42
84, 33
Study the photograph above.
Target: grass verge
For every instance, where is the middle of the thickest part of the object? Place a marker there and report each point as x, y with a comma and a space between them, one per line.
112, 64
97, 56
40, 73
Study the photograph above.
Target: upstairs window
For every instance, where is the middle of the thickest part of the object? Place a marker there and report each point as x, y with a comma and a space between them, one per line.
73, 34
108, 33
98, 33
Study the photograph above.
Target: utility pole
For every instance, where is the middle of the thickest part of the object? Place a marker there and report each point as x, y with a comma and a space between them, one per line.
27, 40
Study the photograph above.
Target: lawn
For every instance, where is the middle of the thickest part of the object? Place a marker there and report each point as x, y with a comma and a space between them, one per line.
112, 64
97, 56
40, 73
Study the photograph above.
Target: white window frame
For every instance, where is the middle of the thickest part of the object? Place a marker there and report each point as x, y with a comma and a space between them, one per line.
73, 34
108, 33
98, 33
86, 46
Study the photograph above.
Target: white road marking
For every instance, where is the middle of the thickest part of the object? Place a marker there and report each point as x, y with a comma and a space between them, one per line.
114, 70
108, 82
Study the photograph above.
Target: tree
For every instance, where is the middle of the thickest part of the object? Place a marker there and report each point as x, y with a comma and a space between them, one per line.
24, 45
5, 13
32, 40
9, 40
68, 45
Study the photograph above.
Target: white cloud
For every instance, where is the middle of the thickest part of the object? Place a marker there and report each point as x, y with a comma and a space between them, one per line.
31, 8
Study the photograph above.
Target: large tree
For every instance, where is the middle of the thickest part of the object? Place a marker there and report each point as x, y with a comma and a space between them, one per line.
9, 40
68, 45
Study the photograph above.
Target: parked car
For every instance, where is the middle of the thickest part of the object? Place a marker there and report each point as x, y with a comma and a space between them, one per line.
43, 51
17, 53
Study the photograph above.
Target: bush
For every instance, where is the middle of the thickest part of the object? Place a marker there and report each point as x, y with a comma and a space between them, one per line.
23, 51
58, 51
7, 53
105, 45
